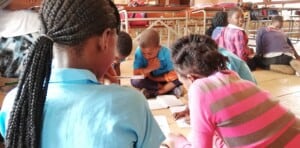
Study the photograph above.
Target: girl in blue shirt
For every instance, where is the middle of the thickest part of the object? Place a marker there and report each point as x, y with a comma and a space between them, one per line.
66, 106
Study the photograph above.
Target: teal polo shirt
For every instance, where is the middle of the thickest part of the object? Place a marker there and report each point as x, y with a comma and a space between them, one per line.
79, 112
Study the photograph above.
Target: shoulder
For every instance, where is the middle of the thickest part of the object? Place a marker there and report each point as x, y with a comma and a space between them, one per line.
120, 94
262, 29
164, 52
164, 49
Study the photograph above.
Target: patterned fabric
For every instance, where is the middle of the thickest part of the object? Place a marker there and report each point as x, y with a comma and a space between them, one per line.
235, 40
240, 113
81, 113
13, 51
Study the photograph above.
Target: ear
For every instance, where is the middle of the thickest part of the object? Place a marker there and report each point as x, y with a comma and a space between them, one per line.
104, 39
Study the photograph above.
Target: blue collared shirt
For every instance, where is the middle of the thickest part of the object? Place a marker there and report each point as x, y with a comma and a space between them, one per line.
79, 112
238, 65
164, 57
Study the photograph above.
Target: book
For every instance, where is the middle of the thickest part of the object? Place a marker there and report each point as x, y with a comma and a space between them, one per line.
164, 101
163, 124
131, 77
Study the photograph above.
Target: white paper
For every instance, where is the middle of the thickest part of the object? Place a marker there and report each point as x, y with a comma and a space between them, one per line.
163, 124
169, 100
131, 77
155, 104
164, 101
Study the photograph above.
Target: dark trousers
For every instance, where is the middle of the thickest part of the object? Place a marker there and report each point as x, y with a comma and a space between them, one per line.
252, 63
150, 84
282, 60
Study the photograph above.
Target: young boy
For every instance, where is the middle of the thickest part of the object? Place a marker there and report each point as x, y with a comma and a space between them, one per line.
124, 47
275, 50
235, 39
154, 62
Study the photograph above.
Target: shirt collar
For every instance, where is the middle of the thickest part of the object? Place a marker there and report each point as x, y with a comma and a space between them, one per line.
72, 75
234, 26
271, 28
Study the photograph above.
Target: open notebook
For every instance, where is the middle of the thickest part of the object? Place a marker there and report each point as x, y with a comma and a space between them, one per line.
164, 101
163, 124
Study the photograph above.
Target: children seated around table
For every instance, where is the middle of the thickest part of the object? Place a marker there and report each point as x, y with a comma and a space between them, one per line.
234, 38
219, 22
63, 105
124, 48
222, 105
274, 49
154, 62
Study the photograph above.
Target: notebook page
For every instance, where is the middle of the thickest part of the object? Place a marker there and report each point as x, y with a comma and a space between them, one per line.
163, 124
155, 104
169, 100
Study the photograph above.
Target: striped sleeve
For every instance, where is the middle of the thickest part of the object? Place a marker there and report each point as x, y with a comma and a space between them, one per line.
241, 113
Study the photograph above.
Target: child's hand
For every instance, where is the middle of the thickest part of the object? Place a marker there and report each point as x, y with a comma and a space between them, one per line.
110, 75
182, 114
176, 141
153, 64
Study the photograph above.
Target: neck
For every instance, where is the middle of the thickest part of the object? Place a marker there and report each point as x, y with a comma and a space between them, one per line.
272, 26
66, 57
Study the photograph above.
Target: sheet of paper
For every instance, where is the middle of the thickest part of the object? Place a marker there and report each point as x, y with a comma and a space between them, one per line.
163, 124
155, 104
180, 122
131, 77
169, 100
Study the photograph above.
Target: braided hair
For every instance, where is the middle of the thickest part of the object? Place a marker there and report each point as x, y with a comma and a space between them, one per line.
219, 20
63, 22
197, 54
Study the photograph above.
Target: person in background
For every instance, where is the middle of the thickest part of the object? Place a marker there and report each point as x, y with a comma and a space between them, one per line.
219, 21
234, 38
124, 48
154, 62
64, 105
274, 49
221, 104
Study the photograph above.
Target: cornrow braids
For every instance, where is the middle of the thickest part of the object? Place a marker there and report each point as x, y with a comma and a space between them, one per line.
197, 54
219, 20
64, 22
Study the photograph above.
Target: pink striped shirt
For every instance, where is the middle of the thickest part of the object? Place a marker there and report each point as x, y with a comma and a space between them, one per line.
235, 40
241, 114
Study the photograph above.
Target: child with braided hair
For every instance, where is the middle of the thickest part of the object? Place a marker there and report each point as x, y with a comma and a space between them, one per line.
63, 105
221, 104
